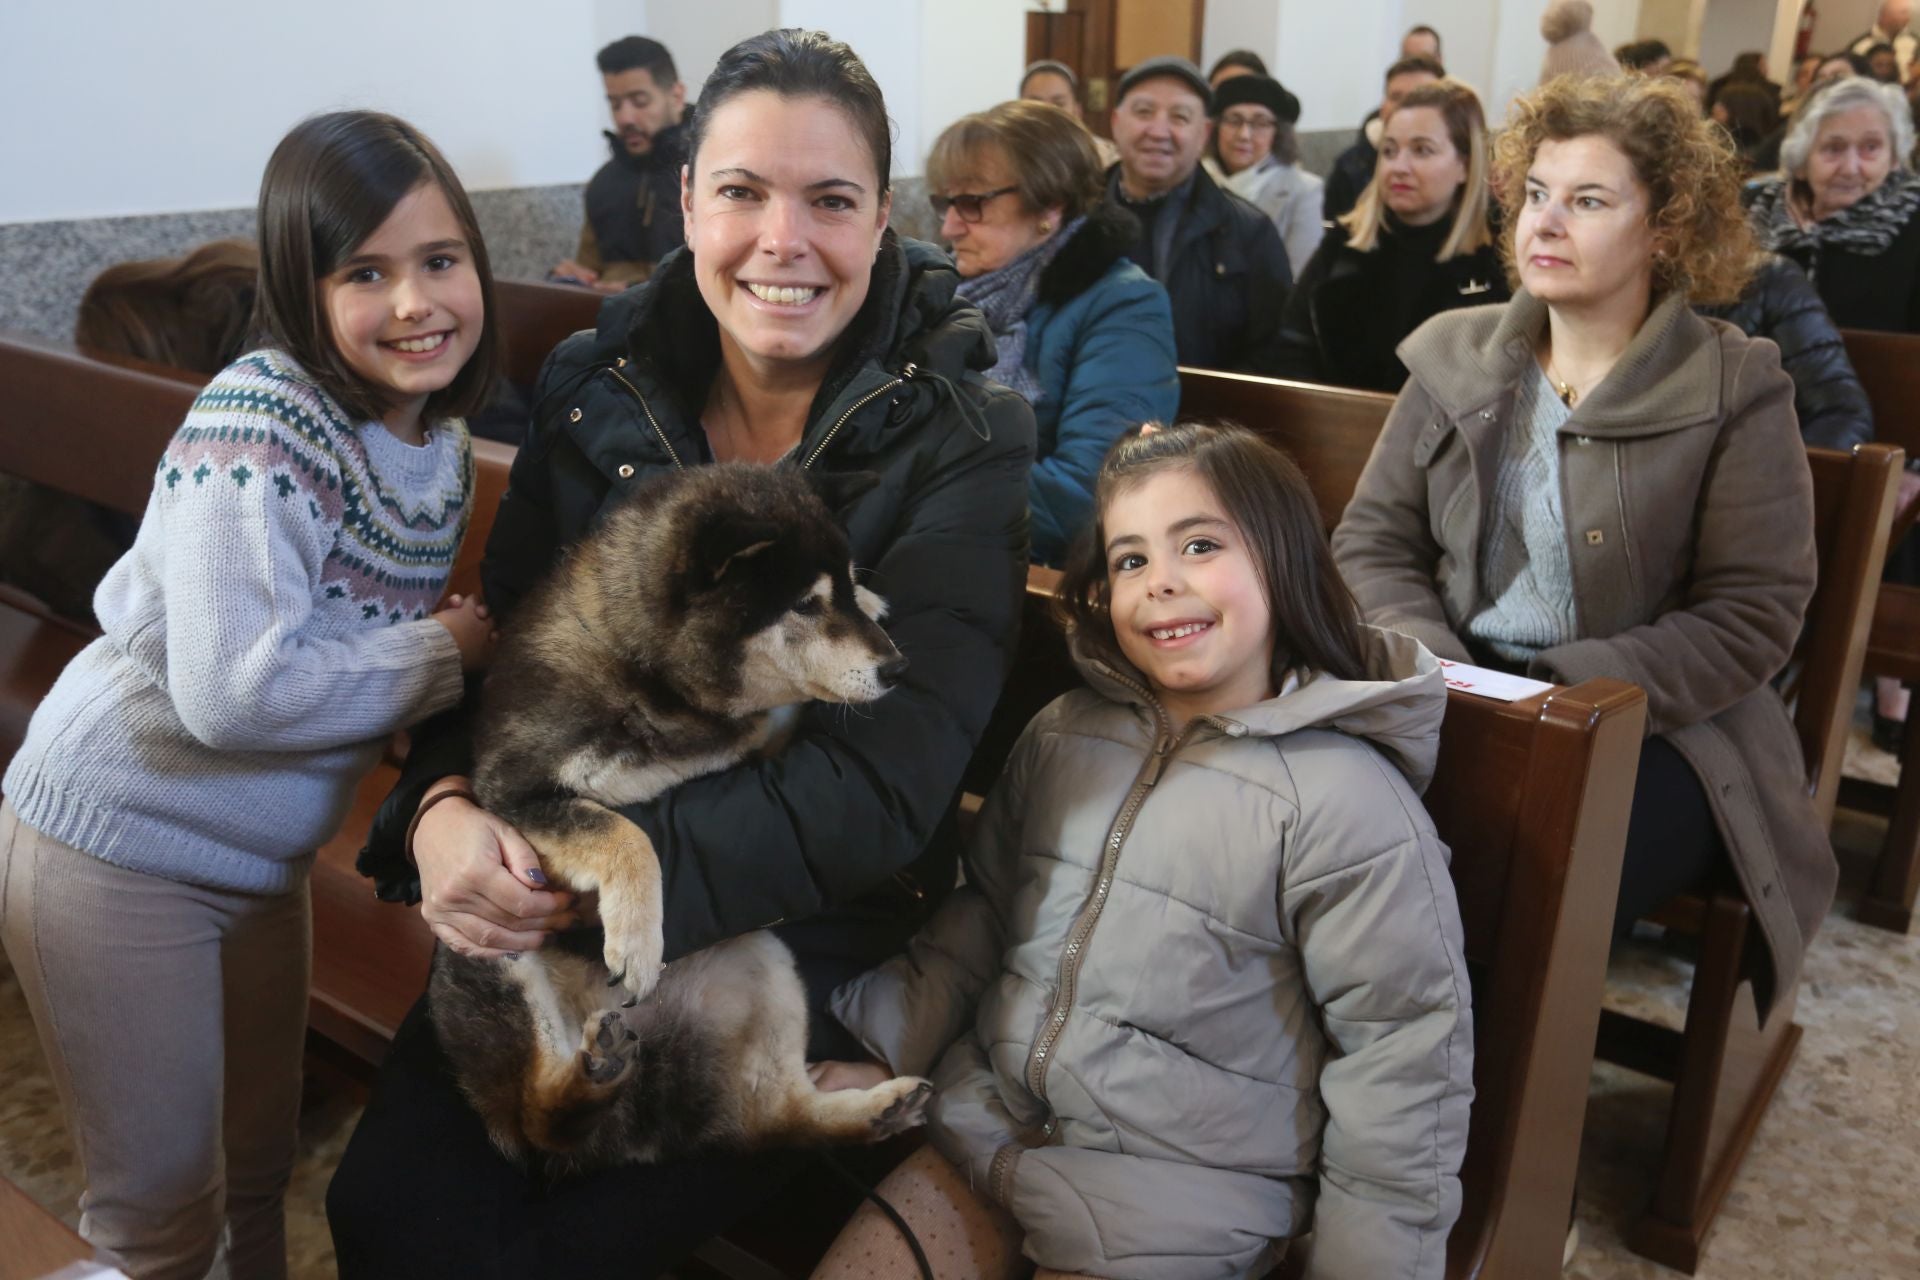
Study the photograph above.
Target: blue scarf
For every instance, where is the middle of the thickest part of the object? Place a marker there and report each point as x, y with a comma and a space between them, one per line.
1006, 297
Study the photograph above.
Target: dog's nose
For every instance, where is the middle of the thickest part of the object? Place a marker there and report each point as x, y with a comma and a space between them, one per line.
892, 671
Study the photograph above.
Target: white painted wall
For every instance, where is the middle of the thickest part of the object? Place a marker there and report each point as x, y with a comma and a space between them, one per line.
126, 106
1839, 21
1733, 27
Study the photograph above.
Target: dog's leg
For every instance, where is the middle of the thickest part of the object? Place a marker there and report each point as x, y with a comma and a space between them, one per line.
567, 1096
589, 846
751, 992
852, 1115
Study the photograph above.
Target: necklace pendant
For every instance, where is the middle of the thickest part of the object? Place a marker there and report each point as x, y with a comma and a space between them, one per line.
1567, 396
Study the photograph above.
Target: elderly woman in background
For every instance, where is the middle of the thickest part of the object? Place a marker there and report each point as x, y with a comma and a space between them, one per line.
1255, 155
1595, 481
1847, 205
1083, 334
1847, 209
1418, 243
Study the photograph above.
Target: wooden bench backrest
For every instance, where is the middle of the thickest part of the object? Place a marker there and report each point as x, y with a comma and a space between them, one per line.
535, 317
1329, 431
1532, 797
1888, 365
85, 426
1853, 501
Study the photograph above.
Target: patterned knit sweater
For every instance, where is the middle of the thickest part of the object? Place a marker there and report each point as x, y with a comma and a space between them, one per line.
266, 631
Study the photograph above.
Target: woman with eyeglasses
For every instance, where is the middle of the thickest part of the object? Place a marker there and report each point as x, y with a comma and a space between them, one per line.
1419, 242
1084, 334
1255, 155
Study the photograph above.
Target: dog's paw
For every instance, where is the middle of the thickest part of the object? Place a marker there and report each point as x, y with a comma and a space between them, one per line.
606, 1052
901, 1104
633, 960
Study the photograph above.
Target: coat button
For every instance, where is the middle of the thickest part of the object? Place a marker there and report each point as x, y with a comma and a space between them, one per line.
626, 471
1219, 268
1486, 415
1584, 439
574, 416
1595, 537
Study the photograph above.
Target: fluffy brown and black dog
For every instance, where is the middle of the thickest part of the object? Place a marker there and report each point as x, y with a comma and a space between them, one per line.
660, 650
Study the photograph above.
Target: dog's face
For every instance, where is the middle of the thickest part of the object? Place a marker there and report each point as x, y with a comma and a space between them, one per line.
826, 645
770, 592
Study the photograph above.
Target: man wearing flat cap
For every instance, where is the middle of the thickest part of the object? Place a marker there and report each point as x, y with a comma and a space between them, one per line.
1256, 156
1220, 258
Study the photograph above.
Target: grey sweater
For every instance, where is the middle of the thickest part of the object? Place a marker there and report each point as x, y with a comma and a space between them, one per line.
267, 630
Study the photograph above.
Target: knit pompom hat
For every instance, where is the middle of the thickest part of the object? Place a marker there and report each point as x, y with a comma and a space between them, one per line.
1572, 48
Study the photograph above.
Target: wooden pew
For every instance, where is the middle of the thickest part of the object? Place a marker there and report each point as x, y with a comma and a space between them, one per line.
94, 428
1889, 368
1329, 431
535, 317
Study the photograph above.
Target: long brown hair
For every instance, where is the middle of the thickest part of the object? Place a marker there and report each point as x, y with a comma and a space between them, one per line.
193, 313
329, 185
1316, 623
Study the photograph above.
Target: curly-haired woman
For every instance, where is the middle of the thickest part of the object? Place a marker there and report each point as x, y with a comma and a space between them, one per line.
1595, 481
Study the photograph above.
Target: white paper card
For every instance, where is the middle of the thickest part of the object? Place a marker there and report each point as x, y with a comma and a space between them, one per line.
1488, 683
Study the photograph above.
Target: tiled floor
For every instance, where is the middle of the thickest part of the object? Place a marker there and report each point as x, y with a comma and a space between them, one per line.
1831, 1189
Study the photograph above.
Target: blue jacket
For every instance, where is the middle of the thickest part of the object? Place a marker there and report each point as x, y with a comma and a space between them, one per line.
1100, 343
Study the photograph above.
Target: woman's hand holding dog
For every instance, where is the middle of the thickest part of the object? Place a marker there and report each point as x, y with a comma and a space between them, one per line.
468, 622
475, 873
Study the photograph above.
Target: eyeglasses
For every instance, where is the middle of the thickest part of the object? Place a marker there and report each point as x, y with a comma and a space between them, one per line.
970, 207
1252, 124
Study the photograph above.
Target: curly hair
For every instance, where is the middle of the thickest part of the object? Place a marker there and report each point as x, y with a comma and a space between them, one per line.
1703, 247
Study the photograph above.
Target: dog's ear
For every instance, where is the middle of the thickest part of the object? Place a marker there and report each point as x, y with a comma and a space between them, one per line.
726, 539
839, 489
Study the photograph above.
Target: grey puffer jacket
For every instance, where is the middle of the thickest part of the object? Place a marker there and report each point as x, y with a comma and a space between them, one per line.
1197, 982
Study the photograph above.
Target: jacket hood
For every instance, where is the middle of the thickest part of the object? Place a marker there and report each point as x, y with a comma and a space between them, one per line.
1397, 708
1107, 236
911, 316
1668, 377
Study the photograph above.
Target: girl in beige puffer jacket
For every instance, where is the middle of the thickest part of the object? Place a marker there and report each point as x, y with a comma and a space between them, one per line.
1203, 989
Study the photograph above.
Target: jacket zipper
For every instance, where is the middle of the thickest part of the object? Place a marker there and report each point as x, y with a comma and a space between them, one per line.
1040, 1057
854, 408
646, 409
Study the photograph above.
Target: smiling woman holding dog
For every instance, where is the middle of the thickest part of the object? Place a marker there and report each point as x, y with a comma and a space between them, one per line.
794, 330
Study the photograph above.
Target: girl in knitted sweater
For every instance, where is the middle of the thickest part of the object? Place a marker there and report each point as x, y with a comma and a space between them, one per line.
273, 623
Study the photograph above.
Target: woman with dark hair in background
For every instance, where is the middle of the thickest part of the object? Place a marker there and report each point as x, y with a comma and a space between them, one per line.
796, 330
1255, 155
1418, 243
1082, 333
1235, 62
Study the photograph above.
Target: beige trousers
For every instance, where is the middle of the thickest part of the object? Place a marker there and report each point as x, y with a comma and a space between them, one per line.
173, 1018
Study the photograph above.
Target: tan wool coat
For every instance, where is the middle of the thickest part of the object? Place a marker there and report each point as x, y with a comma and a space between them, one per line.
1689, 513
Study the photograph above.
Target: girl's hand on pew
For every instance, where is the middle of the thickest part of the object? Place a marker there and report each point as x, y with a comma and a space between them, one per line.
475, 876
468, 622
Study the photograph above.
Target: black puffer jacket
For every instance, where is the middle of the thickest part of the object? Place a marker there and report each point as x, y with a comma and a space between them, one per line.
855, 800
633, 202
1350, 310
1227, 277
1781, 304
